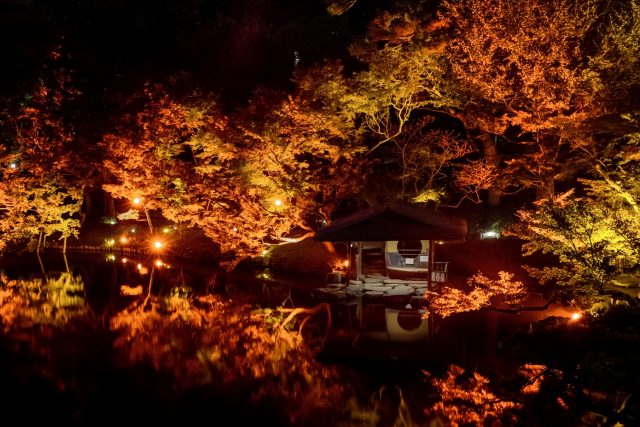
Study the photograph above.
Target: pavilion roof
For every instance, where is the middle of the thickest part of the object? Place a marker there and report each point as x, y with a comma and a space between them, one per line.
394, 222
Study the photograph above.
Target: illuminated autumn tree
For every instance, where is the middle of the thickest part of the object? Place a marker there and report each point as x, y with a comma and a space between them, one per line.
40, 185
407, 74
302, 153
245, 181
481, 292
541, 72
584, 237
37, 209
391, 101
170, 157
594, 228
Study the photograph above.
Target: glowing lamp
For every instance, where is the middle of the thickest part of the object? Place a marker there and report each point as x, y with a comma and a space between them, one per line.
13, 165
576, 316
277, 202
346, 263
165, 230
133, 230
136, 201
157, 244
490, 234
235, 229
158, 263
264, 252
139, 266
124, 240
124, 260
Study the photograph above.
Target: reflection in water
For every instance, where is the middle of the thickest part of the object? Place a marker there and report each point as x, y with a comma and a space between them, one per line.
466, 399
202, 340
224, 348
158, 332
53, 301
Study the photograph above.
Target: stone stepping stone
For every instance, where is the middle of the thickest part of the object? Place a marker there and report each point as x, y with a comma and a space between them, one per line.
330, 293
404, 288
377, 285
356, 282
403, 291
377, 288
407, 282
374, 294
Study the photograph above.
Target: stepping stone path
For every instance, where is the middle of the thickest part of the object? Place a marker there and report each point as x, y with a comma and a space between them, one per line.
378, 287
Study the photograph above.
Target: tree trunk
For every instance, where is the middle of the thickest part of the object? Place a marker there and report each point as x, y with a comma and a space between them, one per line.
110, 206
64, 245
39, 241
490, 150
87, 205
547, 189
146, 213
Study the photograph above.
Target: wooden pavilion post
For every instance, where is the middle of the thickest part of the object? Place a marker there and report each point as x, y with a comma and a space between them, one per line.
359, 261
430, 264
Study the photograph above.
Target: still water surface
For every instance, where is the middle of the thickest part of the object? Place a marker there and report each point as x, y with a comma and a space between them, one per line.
75, 367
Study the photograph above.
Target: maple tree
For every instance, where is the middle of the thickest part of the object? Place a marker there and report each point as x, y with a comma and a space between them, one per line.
390, 99
588, 234
585, 238
41, 189
542, 71
482, 290
246, 181
170, 157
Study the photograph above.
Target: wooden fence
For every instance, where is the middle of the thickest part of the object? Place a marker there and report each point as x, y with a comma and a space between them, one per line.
94, 249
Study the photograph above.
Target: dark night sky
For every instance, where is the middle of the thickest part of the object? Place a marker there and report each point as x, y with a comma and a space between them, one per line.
113, 46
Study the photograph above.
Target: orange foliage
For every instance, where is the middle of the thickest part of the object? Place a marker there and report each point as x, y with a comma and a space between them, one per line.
244, 181
449, 300
535, 375
41, 192
466, 399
